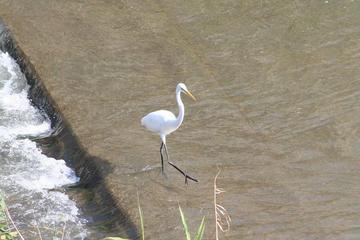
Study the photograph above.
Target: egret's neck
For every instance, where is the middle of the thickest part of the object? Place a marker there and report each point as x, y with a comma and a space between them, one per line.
180, 117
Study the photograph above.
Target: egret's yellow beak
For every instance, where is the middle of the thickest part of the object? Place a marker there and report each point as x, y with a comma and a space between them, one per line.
190, 95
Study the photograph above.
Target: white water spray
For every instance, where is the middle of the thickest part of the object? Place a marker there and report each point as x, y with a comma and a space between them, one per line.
26, 175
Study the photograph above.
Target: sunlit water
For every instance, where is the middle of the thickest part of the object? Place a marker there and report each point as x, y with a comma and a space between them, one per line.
278, 89
28, 177
278, 92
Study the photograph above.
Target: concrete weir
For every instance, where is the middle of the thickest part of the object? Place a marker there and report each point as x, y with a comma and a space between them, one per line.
93, 197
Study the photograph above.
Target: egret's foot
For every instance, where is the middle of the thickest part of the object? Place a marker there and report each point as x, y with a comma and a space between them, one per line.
183, 173
191, 178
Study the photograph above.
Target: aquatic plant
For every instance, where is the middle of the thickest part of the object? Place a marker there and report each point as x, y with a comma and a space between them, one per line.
198, 236
222, 221
222, 217
200, 231
7, 233
8, 229
141, 218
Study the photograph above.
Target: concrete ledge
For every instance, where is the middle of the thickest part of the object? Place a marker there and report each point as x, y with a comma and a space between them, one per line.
102, 208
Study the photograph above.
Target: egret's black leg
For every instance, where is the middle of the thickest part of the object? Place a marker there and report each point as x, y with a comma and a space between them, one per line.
162, 158
183, 173
166, 151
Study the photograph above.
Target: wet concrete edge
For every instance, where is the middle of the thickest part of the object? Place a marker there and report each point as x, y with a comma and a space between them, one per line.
91, 170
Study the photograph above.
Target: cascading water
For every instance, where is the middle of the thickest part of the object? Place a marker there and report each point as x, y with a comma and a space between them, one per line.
28, 178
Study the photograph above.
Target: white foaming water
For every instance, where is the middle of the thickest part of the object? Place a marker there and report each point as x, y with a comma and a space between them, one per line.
27, 177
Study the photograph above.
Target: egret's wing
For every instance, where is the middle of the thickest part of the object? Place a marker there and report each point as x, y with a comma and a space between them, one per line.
156, 121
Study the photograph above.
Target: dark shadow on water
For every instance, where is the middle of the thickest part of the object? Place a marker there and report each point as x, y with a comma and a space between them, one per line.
104, 216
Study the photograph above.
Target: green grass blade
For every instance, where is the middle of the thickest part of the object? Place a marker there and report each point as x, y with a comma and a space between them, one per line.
183, 220
2, 203
141, 220
200, 232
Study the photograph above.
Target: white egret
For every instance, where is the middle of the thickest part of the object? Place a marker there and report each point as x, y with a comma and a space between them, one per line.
164, 122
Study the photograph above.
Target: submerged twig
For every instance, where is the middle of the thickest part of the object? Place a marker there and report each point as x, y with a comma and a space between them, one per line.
222, 217
12, 222
63, 232
141, 218
37, 227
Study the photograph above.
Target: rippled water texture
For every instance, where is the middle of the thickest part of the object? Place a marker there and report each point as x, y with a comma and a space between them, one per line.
27, 177
278, 89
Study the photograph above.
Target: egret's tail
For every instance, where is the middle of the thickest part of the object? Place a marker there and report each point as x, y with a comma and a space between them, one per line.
142, 122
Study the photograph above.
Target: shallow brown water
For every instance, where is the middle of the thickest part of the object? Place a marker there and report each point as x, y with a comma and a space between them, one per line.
278, 88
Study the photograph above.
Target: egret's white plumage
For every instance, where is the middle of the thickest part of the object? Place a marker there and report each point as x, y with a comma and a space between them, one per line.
161, 122
164, 122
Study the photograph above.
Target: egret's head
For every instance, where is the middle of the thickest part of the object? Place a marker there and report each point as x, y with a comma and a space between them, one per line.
182, 87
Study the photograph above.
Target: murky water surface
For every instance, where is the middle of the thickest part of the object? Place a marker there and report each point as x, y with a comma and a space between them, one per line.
278, 88
278, 84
